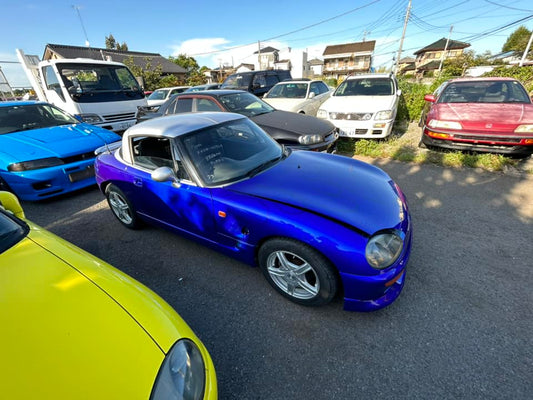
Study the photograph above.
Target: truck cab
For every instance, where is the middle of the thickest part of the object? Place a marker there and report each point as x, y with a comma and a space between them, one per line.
102, 93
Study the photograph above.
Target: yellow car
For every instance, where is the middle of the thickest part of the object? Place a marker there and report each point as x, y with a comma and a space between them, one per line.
74, 327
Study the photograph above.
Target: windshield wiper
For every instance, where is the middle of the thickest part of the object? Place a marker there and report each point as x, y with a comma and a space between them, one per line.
261, 167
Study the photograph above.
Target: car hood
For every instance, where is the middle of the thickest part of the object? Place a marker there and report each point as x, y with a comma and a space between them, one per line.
59, 141
359, 104
478, 115
70, 322
335, 187
283, 123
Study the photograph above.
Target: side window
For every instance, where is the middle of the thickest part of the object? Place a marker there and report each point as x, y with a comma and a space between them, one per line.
323, 87
52, 83
271, 79
182, 106
151, 152
259, 80
315, 87
206, 105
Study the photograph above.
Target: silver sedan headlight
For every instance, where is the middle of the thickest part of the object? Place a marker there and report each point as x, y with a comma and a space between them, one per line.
182, 374
321, 113
310, 139
383, 249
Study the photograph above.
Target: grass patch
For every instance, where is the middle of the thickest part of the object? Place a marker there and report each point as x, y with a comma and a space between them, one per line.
405, 148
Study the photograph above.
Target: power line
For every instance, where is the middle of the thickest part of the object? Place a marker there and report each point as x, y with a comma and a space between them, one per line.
288, 33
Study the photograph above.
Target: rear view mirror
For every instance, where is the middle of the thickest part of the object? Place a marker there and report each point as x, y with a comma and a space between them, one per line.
11, 203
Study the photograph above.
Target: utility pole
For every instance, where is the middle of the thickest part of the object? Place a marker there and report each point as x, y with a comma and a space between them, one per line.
407, 14
259, 54
526, 50
443, 55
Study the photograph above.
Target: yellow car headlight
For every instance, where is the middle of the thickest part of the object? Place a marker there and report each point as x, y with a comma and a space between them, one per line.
524, 129
435, 123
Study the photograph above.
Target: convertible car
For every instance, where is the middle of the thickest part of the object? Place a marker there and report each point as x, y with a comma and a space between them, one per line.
317, 224
45, 152
73, 327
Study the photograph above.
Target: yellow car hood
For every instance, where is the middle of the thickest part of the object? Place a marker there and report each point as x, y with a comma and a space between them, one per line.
70, 327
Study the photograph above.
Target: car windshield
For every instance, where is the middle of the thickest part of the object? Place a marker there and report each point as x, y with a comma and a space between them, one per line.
26, 117
159, 94
237, 81
245, 103
288, 91
231, 151
366, 87
484, 92
12, 230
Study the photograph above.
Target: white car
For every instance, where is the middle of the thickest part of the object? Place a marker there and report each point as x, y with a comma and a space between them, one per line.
304, 97
161, 95
363, 106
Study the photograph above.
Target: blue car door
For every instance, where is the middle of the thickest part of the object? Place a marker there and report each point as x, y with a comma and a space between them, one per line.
187, 208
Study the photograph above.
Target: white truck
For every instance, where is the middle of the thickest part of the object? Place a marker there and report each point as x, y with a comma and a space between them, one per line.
102, 93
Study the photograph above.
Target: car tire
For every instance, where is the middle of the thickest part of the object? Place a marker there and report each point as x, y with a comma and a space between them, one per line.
282, 261
121, 207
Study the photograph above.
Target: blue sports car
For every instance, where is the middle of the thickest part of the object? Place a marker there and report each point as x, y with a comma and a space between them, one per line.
317, 224
45, 152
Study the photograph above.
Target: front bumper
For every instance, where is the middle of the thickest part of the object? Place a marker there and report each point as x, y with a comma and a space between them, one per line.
463, 141
371, 293
43, 183
364, 129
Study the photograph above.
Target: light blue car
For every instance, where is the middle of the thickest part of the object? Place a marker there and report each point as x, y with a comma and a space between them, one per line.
45, 152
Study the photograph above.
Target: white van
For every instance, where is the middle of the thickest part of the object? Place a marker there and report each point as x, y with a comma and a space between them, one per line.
102, 93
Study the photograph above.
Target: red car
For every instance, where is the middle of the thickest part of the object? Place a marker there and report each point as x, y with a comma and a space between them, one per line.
480, 114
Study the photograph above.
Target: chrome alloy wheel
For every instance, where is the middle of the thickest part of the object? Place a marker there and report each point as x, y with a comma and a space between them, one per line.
293, 275
120, 207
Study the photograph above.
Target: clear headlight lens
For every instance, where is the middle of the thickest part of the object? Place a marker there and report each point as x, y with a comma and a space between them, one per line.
524, 129
182, 374
383, 115
90, 118
35, 164
383, 249
322, 114
310, 139
435, 123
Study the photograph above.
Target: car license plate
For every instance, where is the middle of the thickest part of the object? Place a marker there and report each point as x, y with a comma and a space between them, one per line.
81, 175
347, 132
124, 125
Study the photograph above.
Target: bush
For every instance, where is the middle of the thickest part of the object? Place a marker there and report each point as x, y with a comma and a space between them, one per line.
522, 74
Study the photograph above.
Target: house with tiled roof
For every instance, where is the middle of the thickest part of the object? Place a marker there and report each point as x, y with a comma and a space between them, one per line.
141, 59
428, 58
267, 57
341, 60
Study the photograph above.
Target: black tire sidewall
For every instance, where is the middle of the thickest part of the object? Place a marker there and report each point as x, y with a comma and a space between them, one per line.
134, 220
322, 267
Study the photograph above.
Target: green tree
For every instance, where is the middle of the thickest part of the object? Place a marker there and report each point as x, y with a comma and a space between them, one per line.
517, 41
150, 76
195, 74
112, 44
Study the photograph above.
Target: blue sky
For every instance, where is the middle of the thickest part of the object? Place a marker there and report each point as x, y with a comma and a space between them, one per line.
225, 32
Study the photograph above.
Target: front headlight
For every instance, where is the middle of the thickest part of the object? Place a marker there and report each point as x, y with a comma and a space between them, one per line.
90, 118
383, 249
383, 115
35, 164
524, 129
310, 139
435, 123
182, 374
322, 114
